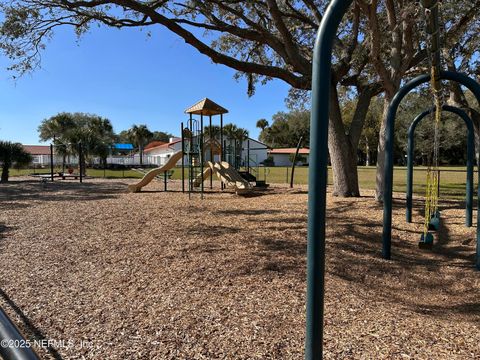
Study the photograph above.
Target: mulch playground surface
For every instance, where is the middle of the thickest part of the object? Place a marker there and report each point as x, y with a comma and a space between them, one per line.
90, 271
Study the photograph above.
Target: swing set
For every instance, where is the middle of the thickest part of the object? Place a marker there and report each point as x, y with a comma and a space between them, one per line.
322, 63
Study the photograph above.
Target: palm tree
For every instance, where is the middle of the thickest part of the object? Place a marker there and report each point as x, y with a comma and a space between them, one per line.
215, 131
262, 124
140, 135
12, 153
236, 136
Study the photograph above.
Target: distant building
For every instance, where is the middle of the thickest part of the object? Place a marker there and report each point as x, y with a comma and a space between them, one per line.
123, 148
159, 154
251, 149
40, 154
153, 144
281, 157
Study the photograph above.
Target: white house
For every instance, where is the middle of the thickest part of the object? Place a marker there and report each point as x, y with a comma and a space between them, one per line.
281, 157
41, 155
159, 154
251, 149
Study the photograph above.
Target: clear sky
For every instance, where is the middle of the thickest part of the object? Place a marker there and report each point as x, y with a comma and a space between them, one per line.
129, 78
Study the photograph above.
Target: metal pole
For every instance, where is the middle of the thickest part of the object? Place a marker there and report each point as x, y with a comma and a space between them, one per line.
295, 160
165, 180
190, 158
211, 150
80, 160
202, 186
248, 155
222, 155
9, 333
183, 158
51, 162
321, 82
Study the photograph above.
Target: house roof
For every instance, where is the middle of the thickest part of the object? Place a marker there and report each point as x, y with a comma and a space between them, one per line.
206, 107
303, 151
259, 142
163, 146
37, 149
153, 144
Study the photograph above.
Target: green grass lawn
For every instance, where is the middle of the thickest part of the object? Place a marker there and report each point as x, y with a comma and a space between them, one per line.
452, 183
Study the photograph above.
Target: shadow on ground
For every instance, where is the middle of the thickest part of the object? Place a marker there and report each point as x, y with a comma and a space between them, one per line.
18, 193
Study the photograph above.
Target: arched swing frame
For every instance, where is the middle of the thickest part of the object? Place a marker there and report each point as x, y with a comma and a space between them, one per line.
470, 160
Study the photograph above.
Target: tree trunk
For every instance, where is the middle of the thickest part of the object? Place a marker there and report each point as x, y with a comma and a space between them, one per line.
367, 151
380, 178
342, 154
140, 148
5, 171
344, 166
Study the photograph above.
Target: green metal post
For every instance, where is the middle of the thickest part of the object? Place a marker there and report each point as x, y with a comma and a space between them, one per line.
211, 150
80, 161
321, 82
464, 80
183, 157
222, 147
295, 160
51, 162
202, 186
470, 160
190, 159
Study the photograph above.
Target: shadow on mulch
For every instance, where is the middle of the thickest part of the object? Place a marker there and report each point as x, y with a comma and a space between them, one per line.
4, 231
30, 330
28, 190
360, 262
357, 257
248, 212
212, 230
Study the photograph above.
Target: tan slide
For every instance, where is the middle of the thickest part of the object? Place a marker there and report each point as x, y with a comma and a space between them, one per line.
230, 177
206, 174
149, 176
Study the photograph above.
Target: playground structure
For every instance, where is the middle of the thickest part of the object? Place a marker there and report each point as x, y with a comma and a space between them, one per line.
203, 158
322, 63
197, 150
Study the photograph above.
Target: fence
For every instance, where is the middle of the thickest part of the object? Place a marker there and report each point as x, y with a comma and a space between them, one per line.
40, 161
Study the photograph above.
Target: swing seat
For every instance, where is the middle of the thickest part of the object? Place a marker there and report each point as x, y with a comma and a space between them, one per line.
426, 242
434, 224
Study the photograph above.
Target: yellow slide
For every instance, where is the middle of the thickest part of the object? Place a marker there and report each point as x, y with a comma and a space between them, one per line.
172, 161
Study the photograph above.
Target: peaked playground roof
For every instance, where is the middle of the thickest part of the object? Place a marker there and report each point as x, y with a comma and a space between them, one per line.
206, 107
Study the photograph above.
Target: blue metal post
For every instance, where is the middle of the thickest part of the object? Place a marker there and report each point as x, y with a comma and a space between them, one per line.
321, 82
463, 79
470, 160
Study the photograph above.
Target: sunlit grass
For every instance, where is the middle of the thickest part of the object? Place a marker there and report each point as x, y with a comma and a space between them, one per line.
452, 178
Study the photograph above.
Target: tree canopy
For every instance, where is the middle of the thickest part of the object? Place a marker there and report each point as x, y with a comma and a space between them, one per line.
68, 130
286, 129
10, 154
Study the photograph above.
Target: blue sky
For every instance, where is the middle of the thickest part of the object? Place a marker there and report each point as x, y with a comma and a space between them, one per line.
129, 78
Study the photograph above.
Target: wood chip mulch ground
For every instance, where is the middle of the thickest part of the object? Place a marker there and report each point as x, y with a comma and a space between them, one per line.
100, 273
